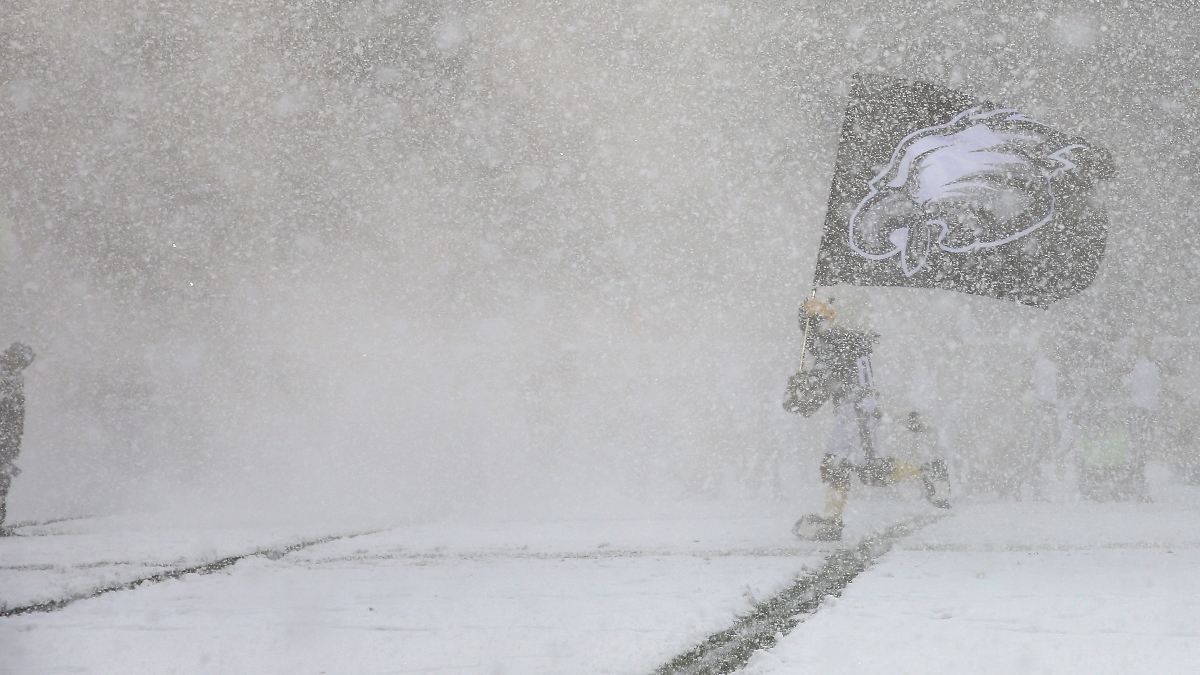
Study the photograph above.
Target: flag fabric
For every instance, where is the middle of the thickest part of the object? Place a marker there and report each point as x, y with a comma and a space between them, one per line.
935, 189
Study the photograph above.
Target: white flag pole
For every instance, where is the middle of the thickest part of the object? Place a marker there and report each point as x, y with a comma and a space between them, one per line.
807, 324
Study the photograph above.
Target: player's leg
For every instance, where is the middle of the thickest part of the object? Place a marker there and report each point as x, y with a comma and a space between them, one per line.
936, 480
835, 474
842, 453
904, 471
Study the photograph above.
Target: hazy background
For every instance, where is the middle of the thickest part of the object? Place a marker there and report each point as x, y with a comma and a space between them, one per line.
415, 259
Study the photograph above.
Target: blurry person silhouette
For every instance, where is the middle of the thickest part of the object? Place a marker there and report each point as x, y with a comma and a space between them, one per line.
1116, 432
841, 372
12, 415
1144, 387
920, 444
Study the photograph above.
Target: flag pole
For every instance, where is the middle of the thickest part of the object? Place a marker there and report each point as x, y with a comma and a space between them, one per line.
807, 324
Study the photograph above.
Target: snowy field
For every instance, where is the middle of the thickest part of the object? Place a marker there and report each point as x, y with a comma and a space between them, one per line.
619, 596
992, 588
1018, 588
395, 336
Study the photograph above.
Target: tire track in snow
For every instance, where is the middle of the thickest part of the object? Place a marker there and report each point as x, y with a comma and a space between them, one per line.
203, 568
730, 649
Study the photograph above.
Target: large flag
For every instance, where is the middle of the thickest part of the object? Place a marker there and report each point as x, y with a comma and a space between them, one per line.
935, 189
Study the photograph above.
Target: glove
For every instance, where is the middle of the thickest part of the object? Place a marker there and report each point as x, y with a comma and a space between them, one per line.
806, 393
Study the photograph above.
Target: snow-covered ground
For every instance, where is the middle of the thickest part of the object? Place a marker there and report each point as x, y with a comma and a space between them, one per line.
589, 596
58, 560
1015, 589
992, 588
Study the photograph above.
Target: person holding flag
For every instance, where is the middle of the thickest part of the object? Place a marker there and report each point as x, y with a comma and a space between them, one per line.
841, 373
935, 189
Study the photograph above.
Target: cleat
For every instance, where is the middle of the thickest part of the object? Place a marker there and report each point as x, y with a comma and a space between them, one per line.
816, 528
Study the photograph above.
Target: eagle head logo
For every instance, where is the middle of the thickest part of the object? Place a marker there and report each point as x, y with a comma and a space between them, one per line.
985, 178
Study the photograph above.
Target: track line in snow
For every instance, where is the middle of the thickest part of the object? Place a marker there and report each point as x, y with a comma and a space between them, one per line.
11, 530
728, 650
204, 568
439, 556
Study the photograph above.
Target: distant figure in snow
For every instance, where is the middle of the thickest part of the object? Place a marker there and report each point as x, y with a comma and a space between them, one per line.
842, 372
1144, 384
12, 414
1144, 387
916, 440
1114, 420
